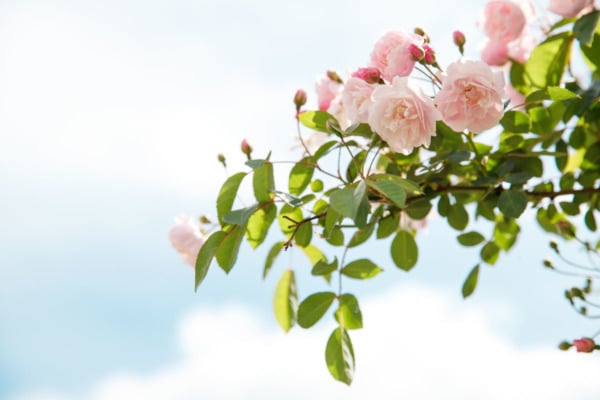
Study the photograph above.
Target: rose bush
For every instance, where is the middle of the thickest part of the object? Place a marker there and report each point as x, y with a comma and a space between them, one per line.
405, 139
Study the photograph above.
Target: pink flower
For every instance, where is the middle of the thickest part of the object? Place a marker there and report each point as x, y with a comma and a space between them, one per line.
403, 115
503, 20
521, 48
326, 89
568, 8
471, 96
187, 239
392, 56
584, 345
367, 74
356, 99
458, 38
429, 54
337, 109
495, 53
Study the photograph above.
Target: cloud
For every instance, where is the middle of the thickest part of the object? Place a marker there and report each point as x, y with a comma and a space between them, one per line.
418, 343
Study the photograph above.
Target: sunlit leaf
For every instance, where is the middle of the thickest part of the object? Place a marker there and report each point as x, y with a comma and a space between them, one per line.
285, 303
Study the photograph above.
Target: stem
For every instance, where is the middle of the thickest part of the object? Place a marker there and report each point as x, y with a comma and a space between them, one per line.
297, 225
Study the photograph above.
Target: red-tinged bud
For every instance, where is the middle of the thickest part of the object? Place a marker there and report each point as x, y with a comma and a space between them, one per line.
416, 52
246, 148
584, 345
334, 76
429, 55
368, 74
459, 38
299, 99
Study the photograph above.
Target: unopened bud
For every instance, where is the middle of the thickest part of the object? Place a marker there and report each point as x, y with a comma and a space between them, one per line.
584, 345
416, 52
554, 246
221, 159
564, 345
421, 32
548, 264
368, 74
204, 219
429, 55
246, 148
299, 99
334, 76
459, 39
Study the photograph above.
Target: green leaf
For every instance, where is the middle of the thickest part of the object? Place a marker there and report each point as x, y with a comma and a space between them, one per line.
300, 176
388, 225
254, 164
363, 206
590, 221
339, 355
323, 268
342, 201
546, 65
271, 256
259, 224
404, 250
392, 190
585, 26
313, 308
263, 182
418, 209
317, 120
470, 282
304, 234
227, 194
458, 217
361, 269
490, 253
229, 248
206, 255
409, 186
336, 237
287, 211
348, 313
241, 216
506, 231
362, 235
557, 93
512, 203
470, 238
516, 122
313, 253
285, 303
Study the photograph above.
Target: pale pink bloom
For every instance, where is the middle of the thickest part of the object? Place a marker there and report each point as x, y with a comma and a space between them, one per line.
471, 96
392, 55
584, 345
503, 20
315, 140
356, 99
568, 8
186, 238
517, 99
337, 109
367, 74
403, 115
326, 89
495, 53
520, 49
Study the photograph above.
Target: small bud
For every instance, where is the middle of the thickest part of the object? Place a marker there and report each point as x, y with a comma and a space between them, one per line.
429, 55
564, 345
204, 220
316, 185
554, 246
576, 292
584, 345
416, 52
246, 148
334, 76
421, 32
299, 99
368, 74
548, 264
221, 159
459, 40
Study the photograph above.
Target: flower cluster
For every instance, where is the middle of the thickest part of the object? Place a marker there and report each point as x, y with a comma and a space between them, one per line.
467, 95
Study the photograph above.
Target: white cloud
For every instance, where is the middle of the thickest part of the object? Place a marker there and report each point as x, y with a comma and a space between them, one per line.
418, 343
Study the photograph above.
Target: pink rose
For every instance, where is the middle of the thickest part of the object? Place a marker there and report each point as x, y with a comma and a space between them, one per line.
503, 20
187, 239
337, 109
471, 96
521, 48
392, 55
326, 89
367, 74
403, 115
584, 345
356, 99
495, 53
568, 8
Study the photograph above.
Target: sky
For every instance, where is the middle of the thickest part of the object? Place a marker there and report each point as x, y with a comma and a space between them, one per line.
111, 117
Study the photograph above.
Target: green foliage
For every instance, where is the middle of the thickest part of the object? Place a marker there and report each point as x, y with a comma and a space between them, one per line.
312, 309
339, 356
471, 282
285, 302
361, 269
404, 250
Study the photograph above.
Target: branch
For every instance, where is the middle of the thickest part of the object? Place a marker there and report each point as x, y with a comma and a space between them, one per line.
297, 225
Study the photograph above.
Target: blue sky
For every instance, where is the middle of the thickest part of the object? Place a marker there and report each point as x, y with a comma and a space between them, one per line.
111, 116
